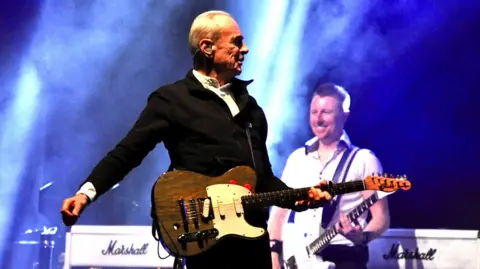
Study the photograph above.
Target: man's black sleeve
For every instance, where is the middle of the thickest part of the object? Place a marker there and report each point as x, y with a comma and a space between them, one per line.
150, 129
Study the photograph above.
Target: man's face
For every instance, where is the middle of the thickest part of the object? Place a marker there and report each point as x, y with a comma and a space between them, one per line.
327, 118
230, 50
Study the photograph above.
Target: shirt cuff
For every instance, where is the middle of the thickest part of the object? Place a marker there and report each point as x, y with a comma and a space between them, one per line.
89, 190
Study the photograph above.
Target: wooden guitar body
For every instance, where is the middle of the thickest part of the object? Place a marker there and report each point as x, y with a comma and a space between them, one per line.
195, 211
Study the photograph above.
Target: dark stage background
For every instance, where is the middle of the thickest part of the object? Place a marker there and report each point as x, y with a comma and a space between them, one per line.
75, 75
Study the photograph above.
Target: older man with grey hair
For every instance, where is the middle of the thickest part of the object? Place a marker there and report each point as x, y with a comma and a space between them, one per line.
209, 124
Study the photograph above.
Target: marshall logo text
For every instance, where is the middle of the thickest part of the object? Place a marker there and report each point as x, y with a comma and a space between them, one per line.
409, 254
113, 249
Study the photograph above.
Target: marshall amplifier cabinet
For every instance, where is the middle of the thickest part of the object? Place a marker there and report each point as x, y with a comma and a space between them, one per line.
425, 249
114, 246
406, 249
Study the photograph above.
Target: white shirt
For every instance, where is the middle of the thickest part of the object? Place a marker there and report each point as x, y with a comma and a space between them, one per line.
208, 83
223, 92
304, 169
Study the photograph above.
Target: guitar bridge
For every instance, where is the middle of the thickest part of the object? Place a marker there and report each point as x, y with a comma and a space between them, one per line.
197, 236
183, 213
193, 210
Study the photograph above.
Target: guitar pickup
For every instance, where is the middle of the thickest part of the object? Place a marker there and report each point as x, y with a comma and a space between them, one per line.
205, 209
238, 206
221, 211
197, 236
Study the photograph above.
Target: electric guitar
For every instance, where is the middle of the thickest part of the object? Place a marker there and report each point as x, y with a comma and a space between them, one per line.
306, 258
194, 212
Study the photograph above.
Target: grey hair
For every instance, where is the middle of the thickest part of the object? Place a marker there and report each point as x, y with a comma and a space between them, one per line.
204, 26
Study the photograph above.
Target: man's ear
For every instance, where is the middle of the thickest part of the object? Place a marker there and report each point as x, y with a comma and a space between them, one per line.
206, 47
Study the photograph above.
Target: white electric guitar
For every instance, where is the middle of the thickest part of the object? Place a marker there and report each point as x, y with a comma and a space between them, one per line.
306, 258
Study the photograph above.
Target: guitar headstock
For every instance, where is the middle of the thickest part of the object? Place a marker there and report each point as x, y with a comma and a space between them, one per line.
387, 183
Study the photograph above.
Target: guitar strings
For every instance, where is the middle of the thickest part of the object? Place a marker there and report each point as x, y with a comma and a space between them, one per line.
197, 211
192, 214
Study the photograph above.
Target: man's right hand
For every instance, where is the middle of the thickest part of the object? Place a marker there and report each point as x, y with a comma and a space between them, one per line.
276, 261
72, 207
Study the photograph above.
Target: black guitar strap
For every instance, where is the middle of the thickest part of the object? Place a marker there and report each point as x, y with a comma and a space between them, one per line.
247, 131
339, 176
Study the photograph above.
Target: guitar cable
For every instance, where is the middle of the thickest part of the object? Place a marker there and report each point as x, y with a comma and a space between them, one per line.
156, 233
178, 260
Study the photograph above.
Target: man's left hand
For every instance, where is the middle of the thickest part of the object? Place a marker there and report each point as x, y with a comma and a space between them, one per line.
316, 197
352, 233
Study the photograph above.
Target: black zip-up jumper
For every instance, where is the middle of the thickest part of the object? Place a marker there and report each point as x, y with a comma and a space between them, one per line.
200, 135
198, 131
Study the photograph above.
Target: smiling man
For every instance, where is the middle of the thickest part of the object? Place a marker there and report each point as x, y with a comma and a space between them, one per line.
209, 124
328, 152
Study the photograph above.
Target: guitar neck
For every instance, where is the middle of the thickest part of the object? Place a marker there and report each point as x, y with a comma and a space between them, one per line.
331, 232
290, 196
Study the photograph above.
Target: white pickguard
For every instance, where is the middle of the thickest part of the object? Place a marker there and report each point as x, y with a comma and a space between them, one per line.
228, 211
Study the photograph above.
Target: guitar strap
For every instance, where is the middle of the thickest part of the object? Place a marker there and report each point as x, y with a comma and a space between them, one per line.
329, 209
338, 177
247, 131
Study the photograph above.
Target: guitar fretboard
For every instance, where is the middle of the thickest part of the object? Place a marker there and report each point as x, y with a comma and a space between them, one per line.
292, 195
331, 232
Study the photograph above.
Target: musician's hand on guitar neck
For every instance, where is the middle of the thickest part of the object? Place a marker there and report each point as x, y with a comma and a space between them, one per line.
352, 233
72, 207
316, 197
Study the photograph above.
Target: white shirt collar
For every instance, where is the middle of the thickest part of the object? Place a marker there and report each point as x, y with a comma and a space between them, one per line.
312, 144
208, 82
